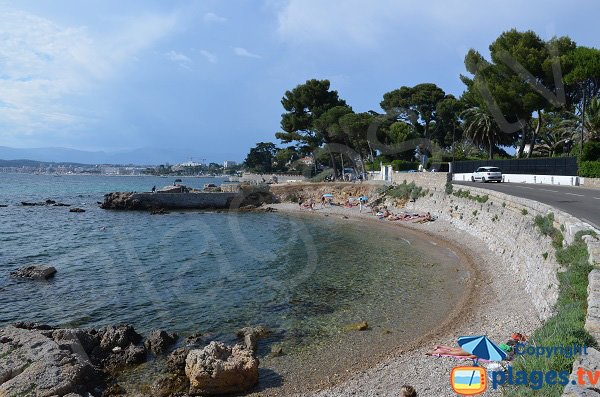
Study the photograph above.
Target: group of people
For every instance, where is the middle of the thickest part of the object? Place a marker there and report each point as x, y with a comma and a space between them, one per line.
508, 347
384, 213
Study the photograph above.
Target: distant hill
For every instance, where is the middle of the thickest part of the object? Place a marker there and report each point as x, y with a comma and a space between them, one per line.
143, 156
36, 164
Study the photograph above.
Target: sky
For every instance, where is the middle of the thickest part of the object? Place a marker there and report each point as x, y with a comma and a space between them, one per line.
204, 78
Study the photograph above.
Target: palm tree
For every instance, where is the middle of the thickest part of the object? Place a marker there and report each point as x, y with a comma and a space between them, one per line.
482, 129
558, 130
592, 119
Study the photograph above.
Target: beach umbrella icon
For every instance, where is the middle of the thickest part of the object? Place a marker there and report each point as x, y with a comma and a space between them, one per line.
481, 347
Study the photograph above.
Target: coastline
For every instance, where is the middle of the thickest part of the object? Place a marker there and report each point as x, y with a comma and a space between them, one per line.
494, 304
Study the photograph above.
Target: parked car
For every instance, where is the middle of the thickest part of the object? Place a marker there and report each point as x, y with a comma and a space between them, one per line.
487, 174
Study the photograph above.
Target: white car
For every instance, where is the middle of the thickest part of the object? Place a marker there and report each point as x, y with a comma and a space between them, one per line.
487, 174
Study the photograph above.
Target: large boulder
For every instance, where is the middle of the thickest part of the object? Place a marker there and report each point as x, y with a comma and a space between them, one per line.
35, 272
221, 369
33, 364
158, 341
118, 336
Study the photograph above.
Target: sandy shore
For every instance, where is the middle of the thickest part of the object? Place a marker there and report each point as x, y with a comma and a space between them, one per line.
495, 305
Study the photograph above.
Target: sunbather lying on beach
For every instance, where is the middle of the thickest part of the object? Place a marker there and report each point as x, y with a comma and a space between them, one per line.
450, 351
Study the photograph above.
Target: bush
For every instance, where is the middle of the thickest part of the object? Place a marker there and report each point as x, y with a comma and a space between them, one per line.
590, 152
546, 226
449, 187
402, 165
406, 191
589, 169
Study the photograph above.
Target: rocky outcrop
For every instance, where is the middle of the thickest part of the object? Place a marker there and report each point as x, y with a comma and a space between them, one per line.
159, 341
76, 210
44, 203
38, 360
120, 201
34, 364
35, 272
220, 369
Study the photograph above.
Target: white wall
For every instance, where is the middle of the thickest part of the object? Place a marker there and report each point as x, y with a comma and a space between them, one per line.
522, 178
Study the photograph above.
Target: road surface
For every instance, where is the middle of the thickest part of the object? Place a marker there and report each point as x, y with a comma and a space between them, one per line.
578, 201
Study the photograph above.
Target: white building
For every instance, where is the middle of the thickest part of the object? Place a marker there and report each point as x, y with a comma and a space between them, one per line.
229, 164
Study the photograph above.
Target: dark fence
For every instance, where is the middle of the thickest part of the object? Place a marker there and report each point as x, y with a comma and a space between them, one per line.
539, 166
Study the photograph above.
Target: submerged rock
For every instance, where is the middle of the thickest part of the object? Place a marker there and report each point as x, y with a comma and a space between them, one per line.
170, 385
276, 351
76, 210
220, 369
158, 341
35, 272
251, 335
362, 326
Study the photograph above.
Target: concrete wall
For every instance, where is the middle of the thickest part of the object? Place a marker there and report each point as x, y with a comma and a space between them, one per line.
523, 178
184, 201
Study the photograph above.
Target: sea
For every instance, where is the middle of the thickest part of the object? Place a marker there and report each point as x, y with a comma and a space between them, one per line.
306, 278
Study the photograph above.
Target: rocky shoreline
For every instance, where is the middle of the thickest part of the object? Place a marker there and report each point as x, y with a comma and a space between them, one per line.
43, 361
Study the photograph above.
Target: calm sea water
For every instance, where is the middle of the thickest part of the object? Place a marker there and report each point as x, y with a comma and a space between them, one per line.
303, 277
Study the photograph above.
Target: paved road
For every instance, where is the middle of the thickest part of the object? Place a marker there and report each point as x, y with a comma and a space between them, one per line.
578, 201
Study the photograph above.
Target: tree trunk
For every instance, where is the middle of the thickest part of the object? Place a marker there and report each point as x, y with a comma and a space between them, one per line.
490, 150
523, 141
535, 133
333, 163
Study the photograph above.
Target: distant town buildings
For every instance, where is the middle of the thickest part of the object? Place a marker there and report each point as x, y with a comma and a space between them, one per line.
229, 164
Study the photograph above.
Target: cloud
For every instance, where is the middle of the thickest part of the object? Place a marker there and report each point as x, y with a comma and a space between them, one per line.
242, 52
45, 67
179, 58
211, 17
356, 23
210, 57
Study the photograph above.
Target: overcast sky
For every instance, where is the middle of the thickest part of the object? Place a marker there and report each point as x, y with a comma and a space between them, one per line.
206, 77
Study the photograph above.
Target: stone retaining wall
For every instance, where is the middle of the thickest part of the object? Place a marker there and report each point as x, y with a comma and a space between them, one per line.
593, 183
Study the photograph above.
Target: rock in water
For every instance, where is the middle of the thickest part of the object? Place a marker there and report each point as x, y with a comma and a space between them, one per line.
35, 272
362, 326
251, 335
76, 210
158, 341
220, 369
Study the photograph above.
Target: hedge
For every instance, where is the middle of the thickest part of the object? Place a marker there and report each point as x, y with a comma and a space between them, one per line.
402, 165
589, 169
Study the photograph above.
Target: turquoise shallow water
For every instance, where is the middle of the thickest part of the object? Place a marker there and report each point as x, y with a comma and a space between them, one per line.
303, 277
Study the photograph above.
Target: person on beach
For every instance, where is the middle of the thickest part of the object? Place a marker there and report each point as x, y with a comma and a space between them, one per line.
322, 201
153, 188
408, 391
449, 351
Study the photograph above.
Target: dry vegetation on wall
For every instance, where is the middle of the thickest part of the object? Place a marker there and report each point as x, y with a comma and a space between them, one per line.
307, 191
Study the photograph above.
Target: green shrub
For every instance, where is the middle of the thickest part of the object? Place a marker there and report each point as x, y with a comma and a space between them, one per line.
546, 226
449, 187
524, 211
589, 169
405, 191
590, 152
402, 165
